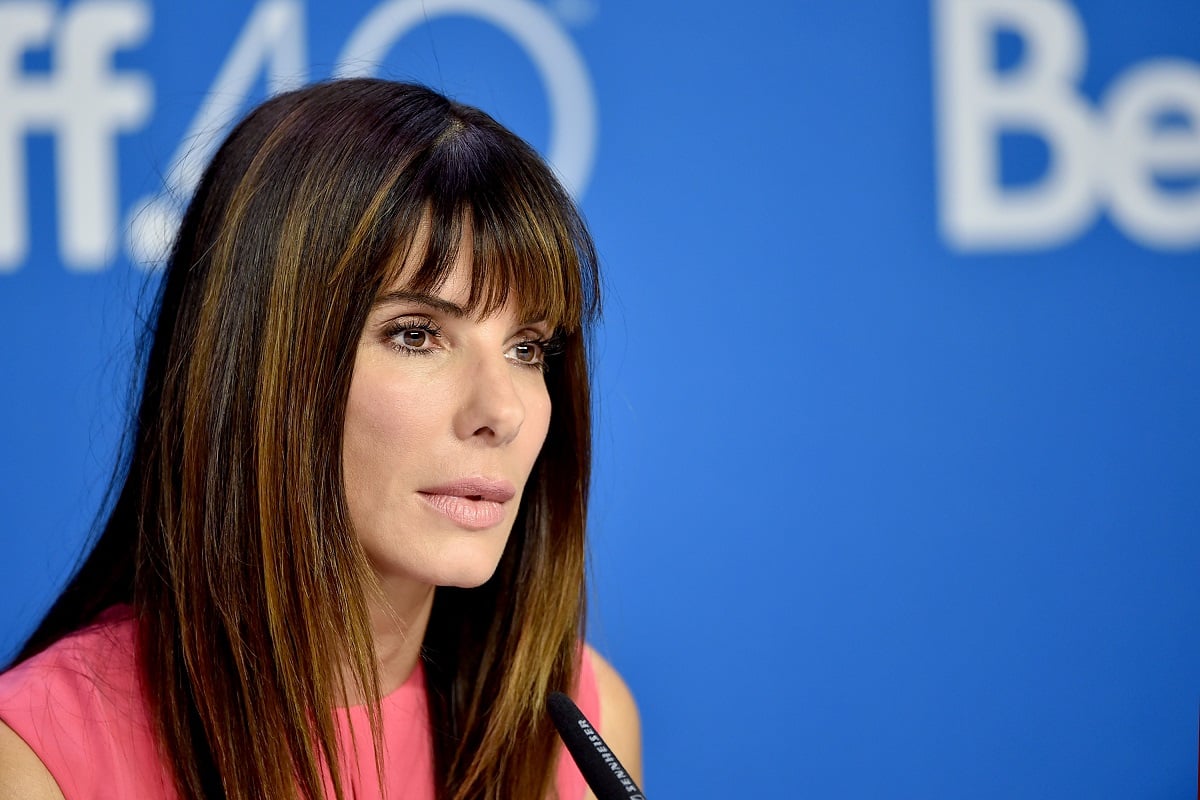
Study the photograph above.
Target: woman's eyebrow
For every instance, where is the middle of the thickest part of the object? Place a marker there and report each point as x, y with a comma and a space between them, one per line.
420, 298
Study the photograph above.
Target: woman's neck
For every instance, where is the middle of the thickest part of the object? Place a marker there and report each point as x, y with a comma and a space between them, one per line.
398, 620
399, 613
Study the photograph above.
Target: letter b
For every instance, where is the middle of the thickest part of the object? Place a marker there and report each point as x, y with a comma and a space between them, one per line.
976, 104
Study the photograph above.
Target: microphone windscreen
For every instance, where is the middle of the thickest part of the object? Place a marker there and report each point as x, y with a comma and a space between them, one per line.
598, 765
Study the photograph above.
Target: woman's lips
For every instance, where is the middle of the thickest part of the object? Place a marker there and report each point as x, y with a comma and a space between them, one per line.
471, 503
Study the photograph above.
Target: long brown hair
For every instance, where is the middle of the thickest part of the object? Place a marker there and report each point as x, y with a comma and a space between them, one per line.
230, 535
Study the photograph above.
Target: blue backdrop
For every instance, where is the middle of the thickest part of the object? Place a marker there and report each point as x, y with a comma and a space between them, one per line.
897, 492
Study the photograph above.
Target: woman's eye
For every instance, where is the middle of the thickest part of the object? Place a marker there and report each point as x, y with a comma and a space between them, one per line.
412, 338
529, 353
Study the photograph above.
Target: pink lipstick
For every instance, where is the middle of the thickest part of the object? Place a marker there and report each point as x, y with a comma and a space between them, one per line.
471, 503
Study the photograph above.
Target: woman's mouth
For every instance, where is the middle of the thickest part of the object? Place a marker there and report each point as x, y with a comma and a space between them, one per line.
471, 503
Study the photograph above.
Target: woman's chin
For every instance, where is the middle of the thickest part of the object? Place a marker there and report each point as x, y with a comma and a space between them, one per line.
464, 576
459, 573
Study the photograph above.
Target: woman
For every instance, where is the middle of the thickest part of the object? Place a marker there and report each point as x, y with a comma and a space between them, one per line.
346, 556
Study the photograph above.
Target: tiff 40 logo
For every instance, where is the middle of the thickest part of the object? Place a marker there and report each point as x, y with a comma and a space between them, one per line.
85, 106
1136, 153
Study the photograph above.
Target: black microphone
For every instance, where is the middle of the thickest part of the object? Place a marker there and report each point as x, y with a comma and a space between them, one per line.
599, 767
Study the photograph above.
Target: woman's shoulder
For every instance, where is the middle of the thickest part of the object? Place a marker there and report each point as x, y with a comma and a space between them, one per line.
94, 665
76, 678
617, 719
22, 774
77, 708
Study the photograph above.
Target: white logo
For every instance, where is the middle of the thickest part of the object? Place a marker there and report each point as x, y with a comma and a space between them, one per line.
1116, 155
86, 106
572, 102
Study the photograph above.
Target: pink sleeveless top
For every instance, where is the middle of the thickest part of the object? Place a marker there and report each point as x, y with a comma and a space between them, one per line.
78, 705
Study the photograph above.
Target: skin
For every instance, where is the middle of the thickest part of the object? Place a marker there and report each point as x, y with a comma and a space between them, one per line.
472, 406
425, 409
22, 774
436, 396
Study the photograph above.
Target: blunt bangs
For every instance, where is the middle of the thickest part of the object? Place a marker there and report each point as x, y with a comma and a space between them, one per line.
528, 242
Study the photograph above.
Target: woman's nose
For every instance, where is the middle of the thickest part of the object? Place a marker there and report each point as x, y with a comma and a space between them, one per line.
491, 409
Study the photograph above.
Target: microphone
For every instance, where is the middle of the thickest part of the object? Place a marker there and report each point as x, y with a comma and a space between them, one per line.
599, 767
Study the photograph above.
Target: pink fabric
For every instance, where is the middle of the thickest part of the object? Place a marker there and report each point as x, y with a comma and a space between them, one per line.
79, 707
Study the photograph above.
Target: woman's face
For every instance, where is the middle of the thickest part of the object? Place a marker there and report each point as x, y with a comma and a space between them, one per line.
446, 415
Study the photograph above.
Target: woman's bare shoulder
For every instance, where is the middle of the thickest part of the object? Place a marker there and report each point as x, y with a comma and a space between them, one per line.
22, 774
620, 724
